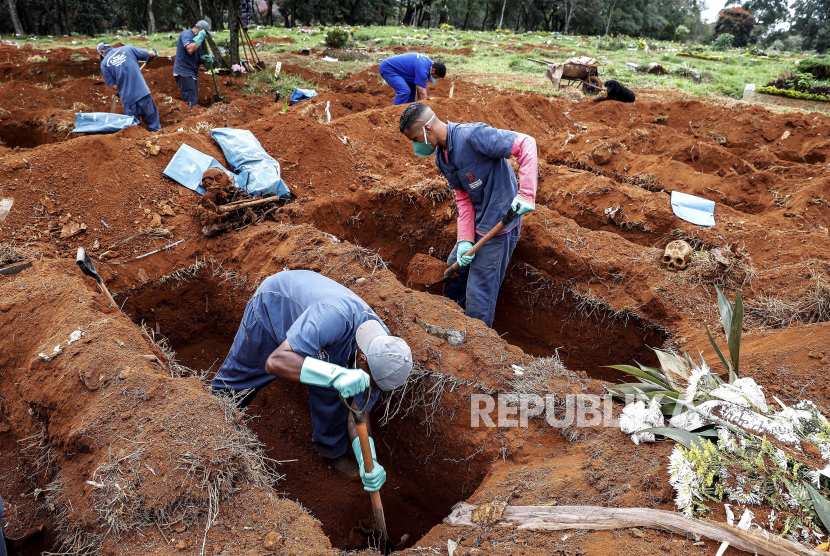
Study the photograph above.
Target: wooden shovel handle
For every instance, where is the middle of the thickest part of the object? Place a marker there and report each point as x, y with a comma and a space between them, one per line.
508, 218
369, 465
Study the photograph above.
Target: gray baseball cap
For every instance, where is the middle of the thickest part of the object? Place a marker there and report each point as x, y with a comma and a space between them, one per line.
202, 24
102, 46
390, 359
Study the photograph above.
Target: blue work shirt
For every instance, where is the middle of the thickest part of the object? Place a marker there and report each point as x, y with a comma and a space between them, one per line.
186, 64
413, 67
478, 164
120, 67
317, 316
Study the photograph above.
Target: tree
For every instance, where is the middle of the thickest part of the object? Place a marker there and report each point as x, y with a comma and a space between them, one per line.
18, 28
766, 12
737, 22
681, 32
811, 20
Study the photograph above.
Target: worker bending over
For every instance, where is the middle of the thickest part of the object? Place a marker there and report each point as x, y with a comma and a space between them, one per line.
189, 55
303, 327
474, 159
408, 75
121, 72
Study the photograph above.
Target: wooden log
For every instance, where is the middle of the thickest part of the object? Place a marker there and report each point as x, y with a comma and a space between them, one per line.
557, 518
230, 207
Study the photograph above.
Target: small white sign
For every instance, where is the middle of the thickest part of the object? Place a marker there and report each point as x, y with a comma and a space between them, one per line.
277, 69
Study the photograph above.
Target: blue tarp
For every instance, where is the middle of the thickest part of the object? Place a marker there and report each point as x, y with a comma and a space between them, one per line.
102, 122
187, 167
256, 171
696, 210
300, 95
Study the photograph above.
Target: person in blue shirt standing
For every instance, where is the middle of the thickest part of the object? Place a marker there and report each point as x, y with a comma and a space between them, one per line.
408, 75
303, 327
121, 71
189, 55
474, 159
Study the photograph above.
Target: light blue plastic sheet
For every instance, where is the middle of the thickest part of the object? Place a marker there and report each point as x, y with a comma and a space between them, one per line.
300, 95
188, 165
102, 122
696, 210
256, 171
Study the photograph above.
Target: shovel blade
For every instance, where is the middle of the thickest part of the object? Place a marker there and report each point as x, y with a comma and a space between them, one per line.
86, 264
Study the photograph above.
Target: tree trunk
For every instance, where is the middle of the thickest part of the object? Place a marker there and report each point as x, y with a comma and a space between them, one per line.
501, 20
270, 19
151, 18
18, 28
233, 28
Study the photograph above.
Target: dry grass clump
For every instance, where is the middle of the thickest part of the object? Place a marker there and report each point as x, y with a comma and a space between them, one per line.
648, 182
10, 253
722, 268
813, 305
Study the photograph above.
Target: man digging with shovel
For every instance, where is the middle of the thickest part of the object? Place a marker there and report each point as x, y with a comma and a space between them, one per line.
304, 327
474, 159
189, 55
121, 72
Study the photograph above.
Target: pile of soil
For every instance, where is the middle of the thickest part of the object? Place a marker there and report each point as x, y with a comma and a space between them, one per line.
584, 285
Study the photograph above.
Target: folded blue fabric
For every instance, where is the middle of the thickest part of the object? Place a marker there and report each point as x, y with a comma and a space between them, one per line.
696, 210
188, 165
300, 95
102, 122
257, 172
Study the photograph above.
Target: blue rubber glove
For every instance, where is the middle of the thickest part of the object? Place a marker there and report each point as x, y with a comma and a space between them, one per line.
521, 206
374, 480
463, 247
200, 38
208, 58
349, 382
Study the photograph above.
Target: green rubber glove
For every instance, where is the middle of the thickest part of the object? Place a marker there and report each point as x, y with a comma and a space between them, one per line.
463, 247
374, 480
200, 38
521, 206
349, 382
154, 51
208, 58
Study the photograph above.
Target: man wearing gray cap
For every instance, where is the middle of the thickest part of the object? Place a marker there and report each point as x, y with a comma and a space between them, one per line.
189, 55
304, 327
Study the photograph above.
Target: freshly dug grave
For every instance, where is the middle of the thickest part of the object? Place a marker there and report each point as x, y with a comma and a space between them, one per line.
585, 283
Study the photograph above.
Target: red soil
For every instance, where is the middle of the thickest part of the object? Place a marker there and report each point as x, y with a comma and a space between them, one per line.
582, 283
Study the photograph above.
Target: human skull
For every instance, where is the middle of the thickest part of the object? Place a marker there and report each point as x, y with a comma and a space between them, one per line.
677, 255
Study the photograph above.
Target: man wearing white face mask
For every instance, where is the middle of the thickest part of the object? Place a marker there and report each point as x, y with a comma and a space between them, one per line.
474, 159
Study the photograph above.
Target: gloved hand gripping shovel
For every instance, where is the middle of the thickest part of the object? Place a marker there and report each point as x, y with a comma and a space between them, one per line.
363, 434
88, 268
508, 218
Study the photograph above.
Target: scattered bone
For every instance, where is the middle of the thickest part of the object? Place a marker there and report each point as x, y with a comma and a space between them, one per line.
677, 255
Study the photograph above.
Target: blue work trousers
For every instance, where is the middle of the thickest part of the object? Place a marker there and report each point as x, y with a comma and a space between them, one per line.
145, 108
328, 417
189, 88
477, 287
405, 91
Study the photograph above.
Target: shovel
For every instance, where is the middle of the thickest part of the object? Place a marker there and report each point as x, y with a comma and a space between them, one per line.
88, 268
427, 270
366, 449
216, 97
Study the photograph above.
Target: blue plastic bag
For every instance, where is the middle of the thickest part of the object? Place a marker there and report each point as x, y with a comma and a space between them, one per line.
696, 210
102, 122
300, 95
257, 173
188, 165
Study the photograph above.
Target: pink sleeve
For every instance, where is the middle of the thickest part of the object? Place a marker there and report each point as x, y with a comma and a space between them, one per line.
466, 217
524, 149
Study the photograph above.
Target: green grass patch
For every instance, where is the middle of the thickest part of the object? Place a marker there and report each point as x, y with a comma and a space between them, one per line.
266, 83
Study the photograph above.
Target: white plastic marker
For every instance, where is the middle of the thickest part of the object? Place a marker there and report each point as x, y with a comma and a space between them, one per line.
452, 88
277, 69
328, 114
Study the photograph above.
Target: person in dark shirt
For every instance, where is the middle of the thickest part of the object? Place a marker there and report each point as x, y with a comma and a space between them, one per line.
189, 54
